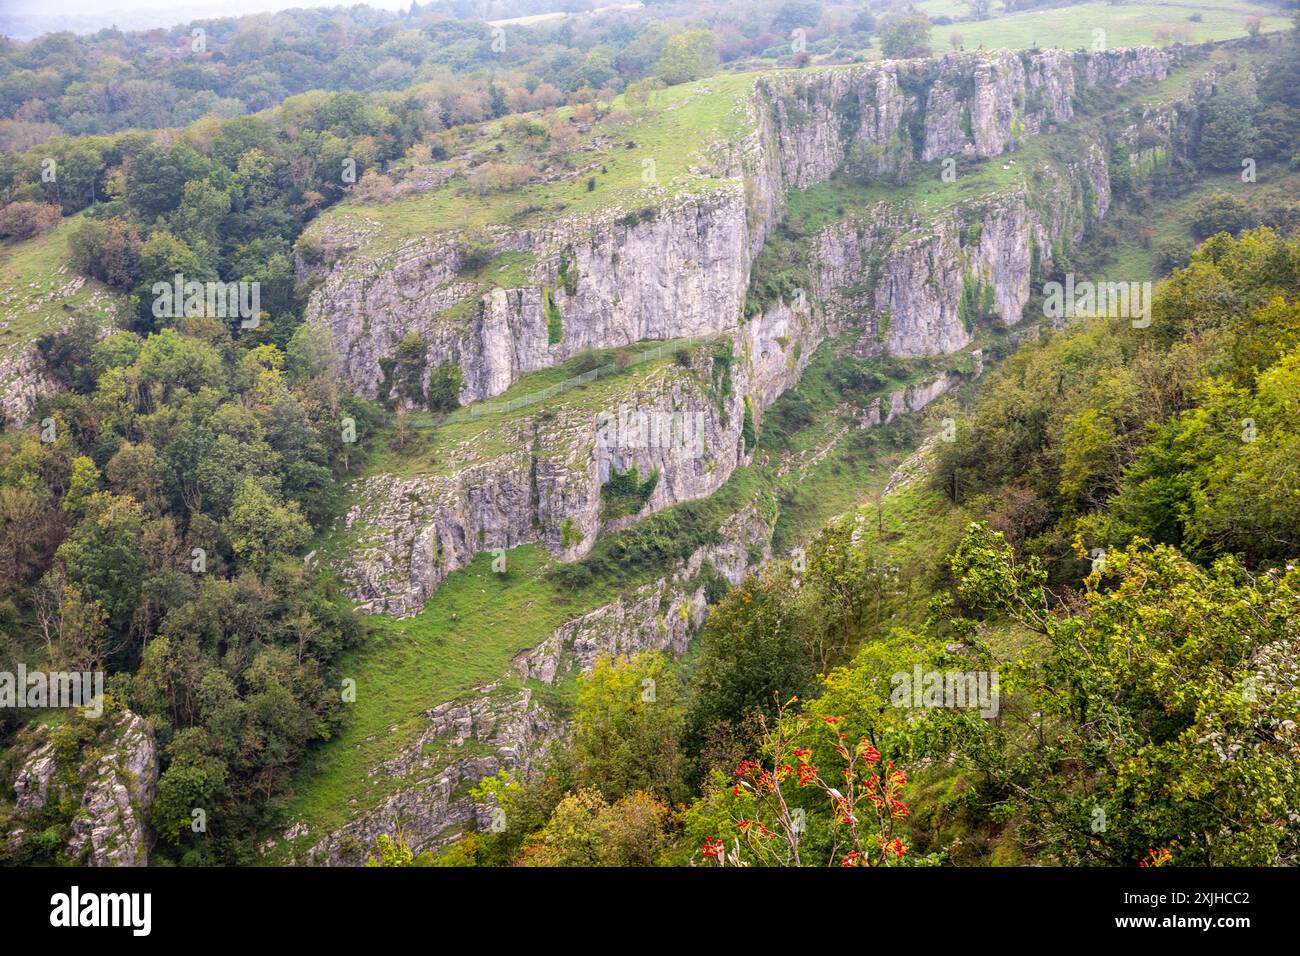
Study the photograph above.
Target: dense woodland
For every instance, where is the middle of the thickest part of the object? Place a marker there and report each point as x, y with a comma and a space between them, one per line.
435, 53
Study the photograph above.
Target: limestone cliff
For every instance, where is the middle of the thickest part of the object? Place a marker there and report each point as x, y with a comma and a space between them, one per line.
505, 726
904, 273
673, 422
679, 264
40, 294
104, 772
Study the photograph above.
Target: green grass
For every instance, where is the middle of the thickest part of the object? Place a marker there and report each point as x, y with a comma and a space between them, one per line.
921, 527
907, 542
828, 466
476, 621
674, 137
1180, 81
927, 195
37, 293
463, 638
508, 270
674, 134
1128, 24
491, 428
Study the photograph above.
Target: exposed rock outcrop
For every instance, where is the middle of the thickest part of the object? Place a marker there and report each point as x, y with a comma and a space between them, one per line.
540, 478
545, 483
501, 726
40, 295
24, 384
496, 728
113, 783
901, 276
660, 617
666, 278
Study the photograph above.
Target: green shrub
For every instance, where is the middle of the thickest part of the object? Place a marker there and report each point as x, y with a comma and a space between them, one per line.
747, 431
625, 494
554, 320
444, 387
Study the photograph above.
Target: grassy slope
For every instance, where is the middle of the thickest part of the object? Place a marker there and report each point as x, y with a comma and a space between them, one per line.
1127, 24
929, 194
920, 527
674, 134
440, 445
478, 433
463, 639
37, 293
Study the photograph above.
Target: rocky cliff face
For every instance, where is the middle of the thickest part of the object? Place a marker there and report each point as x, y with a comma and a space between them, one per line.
505, 727
902, 275
39, 302
465, 741
658, 618
964, 104
540, 477
666, 278
775, 347
680, 266
24, 384
112, 785
815, 118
